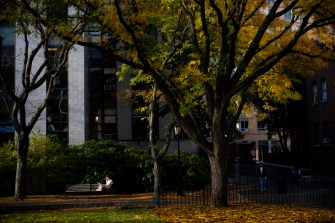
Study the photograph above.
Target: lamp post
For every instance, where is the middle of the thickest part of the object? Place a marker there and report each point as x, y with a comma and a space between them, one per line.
177, 131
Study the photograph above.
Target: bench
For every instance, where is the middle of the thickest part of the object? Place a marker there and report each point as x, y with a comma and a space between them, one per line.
89, 189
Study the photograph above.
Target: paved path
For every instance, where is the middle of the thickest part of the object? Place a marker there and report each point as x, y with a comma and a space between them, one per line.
65, 205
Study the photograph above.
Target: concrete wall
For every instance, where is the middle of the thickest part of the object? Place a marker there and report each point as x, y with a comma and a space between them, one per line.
76, 92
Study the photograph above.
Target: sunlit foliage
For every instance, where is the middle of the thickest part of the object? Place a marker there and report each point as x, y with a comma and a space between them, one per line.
245, 213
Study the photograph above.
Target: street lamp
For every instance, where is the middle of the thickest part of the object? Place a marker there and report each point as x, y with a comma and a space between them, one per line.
177, 131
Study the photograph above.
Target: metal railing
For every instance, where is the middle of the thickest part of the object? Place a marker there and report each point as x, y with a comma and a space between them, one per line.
309, 192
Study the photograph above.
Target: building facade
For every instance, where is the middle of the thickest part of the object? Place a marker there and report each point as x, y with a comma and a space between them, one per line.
8, 67
255, 131
321, 124
89, 102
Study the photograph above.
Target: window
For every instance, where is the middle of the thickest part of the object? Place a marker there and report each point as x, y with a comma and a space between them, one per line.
8, 67
316, 134
263, 148
325, 133
324, 90
95, 53
57, 109
139, 128
102, 87
261, 126
8, 34
8, 54
314, 93
57, 113
244, 126
288, 15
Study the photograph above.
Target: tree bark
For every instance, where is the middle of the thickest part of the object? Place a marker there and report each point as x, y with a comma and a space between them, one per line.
157, 178
219, 180
21, 166
156, 153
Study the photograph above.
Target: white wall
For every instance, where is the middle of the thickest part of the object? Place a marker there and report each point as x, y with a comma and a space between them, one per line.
38, 95
76, 92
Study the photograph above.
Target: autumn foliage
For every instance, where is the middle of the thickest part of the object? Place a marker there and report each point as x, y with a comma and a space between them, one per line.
245, 213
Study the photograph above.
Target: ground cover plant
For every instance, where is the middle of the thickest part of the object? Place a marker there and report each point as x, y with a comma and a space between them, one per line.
185, 213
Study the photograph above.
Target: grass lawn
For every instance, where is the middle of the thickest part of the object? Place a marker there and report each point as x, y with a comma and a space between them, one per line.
83, 215
236, 213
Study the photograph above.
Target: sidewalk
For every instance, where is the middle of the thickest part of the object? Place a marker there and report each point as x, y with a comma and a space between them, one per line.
50, 202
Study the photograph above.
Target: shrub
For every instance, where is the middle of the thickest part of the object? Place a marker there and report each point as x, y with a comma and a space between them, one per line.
194, 171
7, 168
52, 165
129, 168
49, 160
47, 165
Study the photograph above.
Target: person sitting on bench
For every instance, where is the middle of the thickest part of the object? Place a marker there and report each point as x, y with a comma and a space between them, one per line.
107, 186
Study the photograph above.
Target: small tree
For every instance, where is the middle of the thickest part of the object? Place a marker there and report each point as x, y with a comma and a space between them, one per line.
151, 98
157, 153
36, 51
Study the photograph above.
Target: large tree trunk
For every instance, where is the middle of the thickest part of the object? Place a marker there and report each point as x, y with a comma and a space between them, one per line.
21, 166
219, 180
157, 178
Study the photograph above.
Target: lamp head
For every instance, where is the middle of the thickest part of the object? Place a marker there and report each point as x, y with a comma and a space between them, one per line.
177, 130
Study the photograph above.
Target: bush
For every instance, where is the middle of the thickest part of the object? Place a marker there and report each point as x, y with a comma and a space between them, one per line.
7, 168
194, 171
47, 166
52, 165
49, 162
132, 169
129, 168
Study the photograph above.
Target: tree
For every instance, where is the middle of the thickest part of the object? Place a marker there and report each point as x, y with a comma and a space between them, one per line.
288, 122
150, 98
49, 59
157, 153
283, 110
210, 55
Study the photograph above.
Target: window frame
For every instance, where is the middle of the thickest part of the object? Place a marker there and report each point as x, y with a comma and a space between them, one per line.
288, 15
314, 92
324, 95
244, 125
261, 126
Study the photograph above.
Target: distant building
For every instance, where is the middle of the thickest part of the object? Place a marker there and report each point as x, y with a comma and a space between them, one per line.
321, 124
255, 131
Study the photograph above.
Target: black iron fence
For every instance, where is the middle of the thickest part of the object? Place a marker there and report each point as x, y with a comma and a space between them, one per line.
309, 192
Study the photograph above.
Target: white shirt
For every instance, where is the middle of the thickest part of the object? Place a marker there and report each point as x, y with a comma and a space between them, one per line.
109, 183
